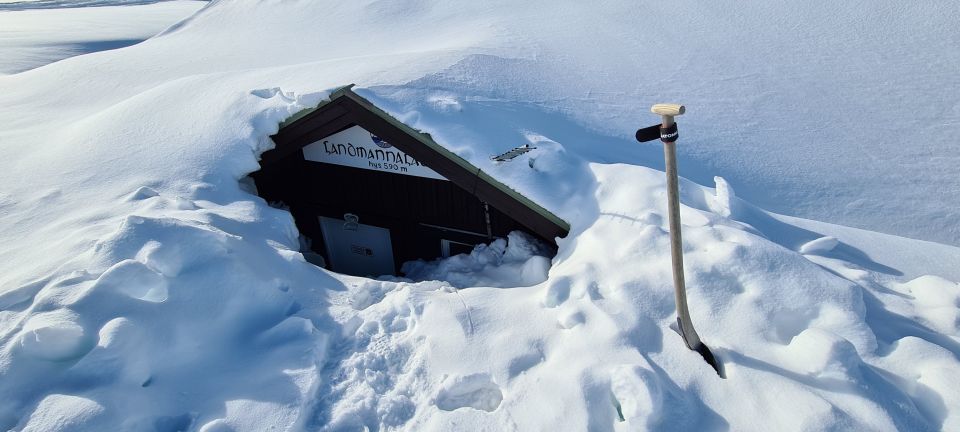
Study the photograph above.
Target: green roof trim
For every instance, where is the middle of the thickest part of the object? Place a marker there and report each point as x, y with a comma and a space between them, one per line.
306, 111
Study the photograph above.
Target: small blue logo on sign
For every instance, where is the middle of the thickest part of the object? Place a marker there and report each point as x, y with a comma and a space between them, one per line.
379, 141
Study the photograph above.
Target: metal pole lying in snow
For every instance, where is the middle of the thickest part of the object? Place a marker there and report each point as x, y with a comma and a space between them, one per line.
668, 134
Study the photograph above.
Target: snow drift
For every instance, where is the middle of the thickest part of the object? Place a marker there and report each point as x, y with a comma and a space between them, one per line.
143, 287
33, 38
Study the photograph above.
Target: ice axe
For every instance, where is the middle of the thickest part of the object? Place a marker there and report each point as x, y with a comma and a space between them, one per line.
667, 132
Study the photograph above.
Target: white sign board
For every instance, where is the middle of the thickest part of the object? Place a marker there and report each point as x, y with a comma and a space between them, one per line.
355, 147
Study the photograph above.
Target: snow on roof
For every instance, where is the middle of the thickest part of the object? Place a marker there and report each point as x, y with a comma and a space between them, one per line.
142, 287
537, 218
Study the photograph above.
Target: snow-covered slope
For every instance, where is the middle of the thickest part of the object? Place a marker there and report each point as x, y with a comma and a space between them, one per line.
32, 38
61, 4
142, 287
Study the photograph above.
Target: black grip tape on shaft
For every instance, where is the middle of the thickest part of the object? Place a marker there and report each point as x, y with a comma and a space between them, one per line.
669, 134
648, 133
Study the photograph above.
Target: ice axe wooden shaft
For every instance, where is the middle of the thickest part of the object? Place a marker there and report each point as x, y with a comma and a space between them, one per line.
668, 134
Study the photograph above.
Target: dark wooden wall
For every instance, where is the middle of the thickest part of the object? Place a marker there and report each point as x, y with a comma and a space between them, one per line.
400, 203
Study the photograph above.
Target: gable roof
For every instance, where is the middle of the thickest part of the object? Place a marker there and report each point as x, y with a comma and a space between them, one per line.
345, 109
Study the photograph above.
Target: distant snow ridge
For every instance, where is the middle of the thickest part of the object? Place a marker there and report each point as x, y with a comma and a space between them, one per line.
51, 4
35, 34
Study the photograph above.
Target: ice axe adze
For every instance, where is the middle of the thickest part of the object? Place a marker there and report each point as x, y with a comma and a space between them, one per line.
667, 132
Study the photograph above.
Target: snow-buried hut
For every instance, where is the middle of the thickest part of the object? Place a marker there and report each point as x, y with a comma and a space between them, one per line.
371, 193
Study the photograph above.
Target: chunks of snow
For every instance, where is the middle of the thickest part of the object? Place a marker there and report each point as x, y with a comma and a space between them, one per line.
136, 280
937, 301
142, 193
819, 246
518, 260
927, 370
723, 202
367, 293
65, 413
934, 291
824, 354
54, 336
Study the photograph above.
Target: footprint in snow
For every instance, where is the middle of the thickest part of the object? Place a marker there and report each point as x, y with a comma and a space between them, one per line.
571, 319
526, 361
477, 391
557, 292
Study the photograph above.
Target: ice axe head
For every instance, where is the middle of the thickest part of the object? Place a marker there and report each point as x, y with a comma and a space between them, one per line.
666, 130
667, 112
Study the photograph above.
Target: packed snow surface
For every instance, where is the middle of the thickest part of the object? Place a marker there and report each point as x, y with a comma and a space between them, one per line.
144, 287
